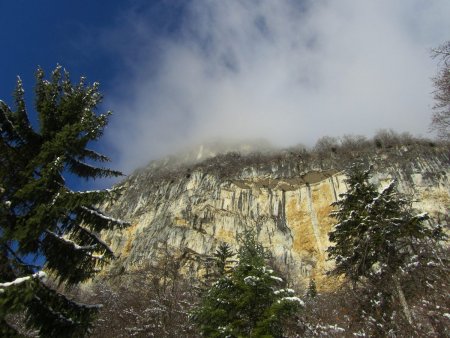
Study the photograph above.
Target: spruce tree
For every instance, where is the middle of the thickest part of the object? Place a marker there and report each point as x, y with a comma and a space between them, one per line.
376, 230
312, 289
348, 234
377, 236
40, 217
247, 302
223, 255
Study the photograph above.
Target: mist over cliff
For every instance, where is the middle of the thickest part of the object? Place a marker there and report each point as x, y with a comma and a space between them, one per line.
287, 71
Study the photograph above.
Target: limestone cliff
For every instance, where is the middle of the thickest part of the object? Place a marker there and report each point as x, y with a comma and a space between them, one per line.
189, 207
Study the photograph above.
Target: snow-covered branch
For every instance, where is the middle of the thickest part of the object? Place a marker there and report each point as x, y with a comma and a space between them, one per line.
72, 243
98, 213
93, 191
20, 280
98, 239
292, 299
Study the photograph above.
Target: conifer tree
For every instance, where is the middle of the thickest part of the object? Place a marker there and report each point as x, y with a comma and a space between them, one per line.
376, 229
312, 289
247, 302
222, 256
39, 215
377, 236
350, 214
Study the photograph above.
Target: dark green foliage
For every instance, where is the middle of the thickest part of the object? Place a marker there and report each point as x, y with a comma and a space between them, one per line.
312, 290
347, 234
223, 255
378, 239
247, 302
50, 312
39, 215
376, 229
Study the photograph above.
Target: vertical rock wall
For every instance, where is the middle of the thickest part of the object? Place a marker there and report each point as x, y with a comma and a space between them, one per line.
190, 215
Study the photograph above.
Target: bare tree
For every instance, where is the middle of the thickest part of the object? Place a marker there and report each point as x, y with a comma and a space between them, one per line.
441, 117
154, 301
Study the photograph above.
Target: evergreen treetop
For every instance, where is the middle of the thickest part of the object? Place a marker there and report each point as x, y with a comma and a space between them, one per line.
222, 256
312, 289
350, 214
247, 302
39, 215
375, 230
377, 239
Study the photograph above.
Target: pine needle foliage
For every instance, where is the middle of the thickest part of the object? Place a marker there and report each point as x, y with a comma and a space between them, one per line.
247, 302
350, 214
223, 256
379, 243
312, 289
376, 230
39, 215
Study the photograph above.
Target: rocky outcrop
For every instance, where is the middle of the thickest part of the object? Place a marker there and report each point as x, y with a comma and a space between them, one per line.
190, 208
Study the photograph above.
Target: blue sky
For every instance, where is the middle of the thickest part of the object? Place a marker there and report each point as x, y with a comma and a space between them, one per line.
74, 34
46, 33
177, 72
71, 33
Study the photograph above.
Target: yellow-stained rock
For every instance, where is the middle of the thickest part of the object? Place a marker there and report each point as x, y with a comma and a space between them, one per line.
193, 214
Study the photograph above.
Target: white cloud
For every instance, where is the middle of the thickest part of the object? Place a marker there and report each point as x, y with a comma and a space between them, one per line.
275, 70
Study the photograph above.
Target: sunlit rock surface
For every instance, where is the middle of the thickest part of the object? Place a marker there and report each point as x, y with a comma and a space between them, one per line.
188, 207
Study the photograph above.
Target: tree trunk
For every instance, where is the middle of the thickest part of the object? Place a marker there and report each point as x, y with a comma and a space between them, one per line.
403, 302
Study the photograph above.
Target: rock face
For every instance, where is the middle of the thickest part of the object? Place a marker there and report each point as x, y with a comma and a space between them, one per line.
190, 208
